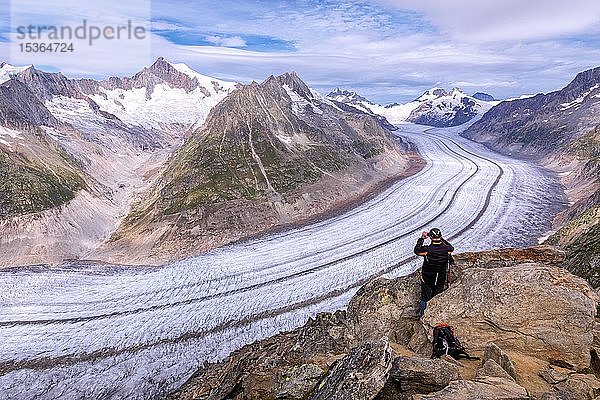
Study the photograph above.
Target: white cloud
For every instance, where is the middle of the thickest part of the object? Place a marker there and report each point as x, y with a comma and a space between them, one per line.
485, 21
232, 41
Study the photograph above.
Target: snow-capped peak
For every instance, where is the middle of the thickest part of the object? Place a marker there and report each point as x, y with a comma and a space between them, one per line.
204, 80
431, 94
165, 96
347, 96
7, 71
457, 93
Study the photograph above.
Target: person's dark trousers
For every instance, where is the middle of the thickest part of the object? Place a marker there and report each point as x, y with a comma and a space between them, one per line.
432, 283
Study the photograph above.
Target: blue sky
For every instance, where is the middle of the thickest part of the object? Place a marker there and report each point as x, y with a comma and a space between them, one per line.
388, 50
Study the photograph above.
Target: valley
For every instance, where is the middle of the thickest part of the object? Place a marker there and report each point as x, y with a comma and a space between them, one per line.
105, 331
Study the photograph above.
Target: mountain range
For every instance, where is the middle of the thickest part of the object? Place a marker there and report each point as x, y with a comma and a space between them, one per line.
82, 160
436, 107
171, 162
76, 152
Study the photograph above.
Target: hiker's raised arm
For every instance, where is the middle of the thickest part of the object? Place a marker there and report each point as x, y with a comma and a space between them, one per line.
419, 249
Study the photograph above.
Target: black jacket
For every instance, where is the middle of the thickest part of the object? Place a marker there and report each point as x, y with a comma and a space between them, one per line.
437, 257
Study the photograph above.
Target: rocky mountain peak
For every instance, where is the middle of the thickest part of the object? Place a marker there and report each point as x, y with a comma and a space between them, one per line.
483, 96
457, 92
589, 77
161, 67
437, 107
582, 86
259, 148
392, 105
291, 82
347, 96
432, 93
8, 71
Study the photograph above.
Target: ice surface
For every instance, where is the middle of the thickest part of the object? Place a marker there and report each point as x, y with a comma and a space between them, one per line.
112, 332
166, 105
7, 71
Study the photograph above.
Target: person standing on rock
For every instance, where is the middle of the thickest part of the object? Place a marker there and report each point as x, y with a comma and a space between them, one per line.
438, 256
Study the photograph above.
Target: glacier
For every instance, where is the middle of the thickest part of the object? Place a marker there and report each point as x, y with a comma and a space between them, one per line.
107, 331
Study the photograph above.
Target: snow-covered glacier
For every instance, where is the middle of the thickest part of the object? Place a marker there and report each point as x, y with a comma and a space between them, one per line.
114, 332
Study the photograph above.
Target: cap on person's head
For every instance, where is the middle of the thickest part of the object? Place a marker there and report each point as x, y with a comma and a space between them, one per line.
435, 233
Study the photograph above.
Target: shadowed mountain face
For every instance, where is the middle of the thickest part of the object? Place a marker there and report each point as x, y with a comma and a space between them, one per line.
35, 173
270, 154
483, 96
562, 130
20, 108
539, 125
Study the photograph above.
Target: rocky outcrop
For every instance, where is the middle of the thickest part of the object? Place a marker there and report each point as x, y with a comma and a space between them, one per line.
360, 375
487, 389
298, 382
412, 375
494, 356
529, 308
546, 255
521, 319
491, 368
384, 307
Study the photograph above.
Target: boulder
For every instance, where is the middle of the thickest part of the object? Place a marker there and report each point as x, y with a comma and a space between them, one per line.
326, 333
529, 308
491, 368
451, 360
553, 376
422, 375
559, 395
493, 352
492, 388
416, 375
360, 375
298, 382
500, 258
386, 307
420, 343
581, 386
